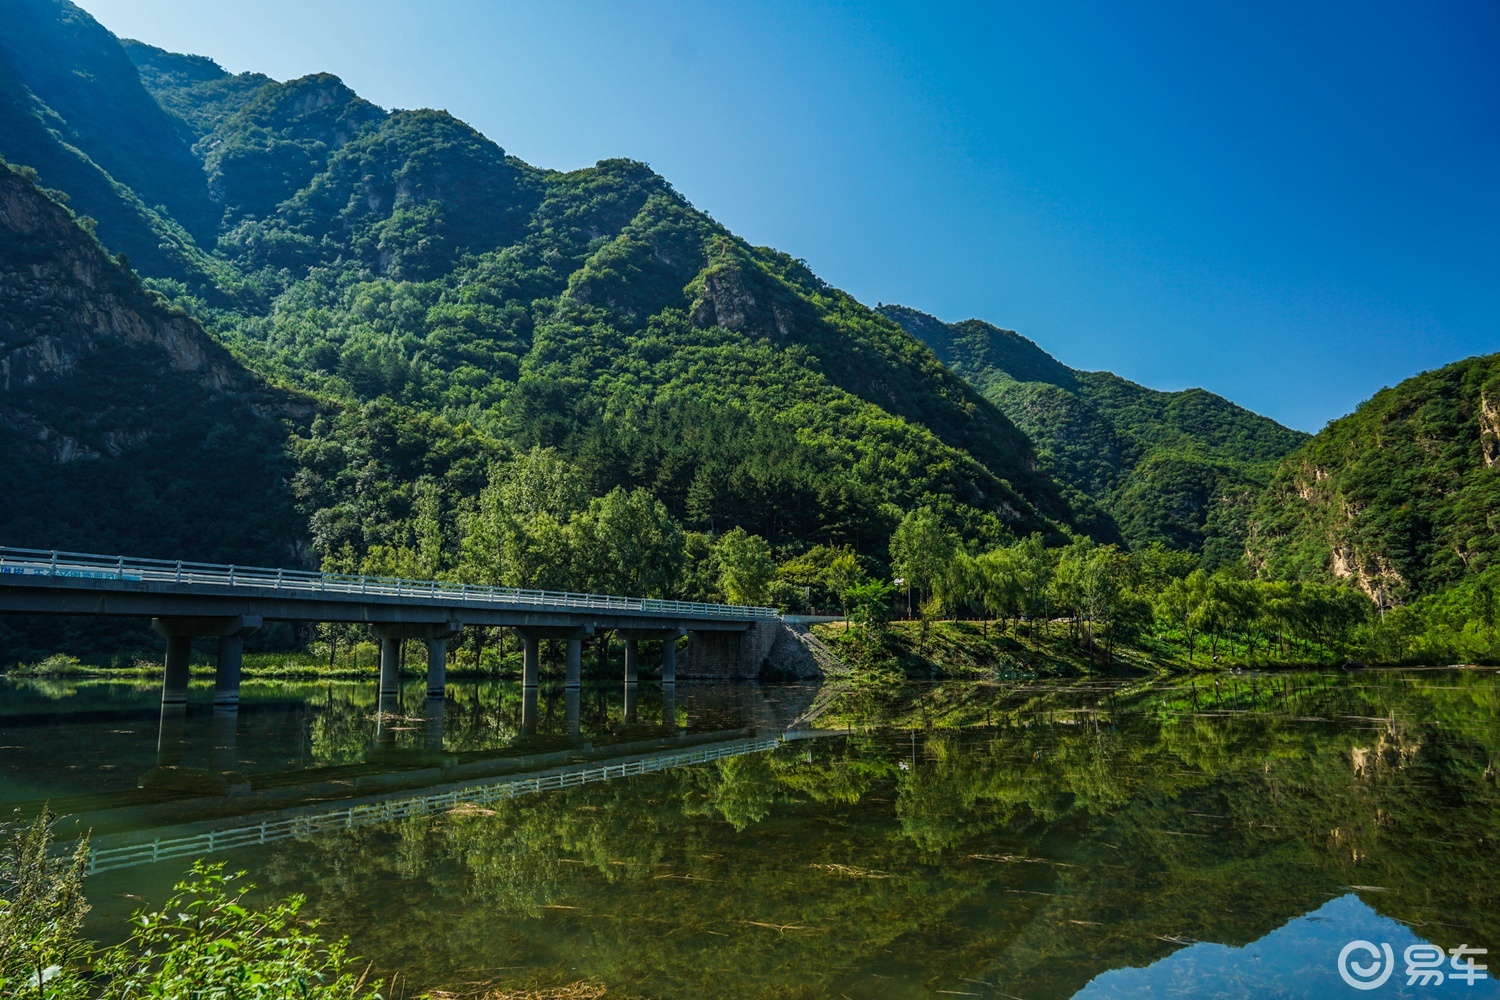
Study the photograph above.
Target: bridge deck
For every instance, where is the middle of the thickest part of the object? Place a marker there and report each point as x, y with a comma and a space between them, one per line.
35, 581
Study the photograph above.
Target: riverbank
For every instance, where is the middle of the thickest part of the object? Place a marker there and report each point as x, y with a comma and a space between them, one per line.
997, 651
914, 650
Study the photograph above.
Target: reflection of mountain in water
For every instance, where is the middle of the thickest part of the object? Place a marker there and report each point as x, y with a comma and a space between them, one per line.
1064, 831
1298, 959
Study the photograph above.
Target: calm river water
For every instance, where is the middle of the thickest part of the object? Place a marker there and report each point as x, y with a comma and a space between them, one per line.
1208, 838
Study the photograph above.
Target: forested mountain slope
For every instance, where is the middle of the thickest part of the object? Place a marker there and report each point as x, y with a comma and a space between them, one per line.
1402, 496
408, 274
1177, 467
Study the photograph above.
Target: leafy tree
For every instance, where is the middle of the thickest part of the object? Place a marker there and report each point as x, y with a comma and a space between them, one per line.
518, 536
871, 601
746, 567
1156, 566
1033, 568
922, 550
627, 543
998, 580
845, 575
1183, 602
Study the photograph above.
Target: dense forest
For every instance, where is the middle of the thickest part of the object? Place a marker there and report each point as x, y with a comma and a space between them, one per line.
409, 352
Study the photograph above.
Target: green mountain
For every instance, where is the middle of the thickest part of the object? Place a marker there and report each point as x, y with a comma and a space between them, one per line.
1402, 496
1181, 468
446, 306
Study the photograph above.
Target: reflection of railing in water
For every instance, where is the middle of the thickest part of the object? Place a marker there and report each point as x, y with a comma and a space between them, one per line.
103, 859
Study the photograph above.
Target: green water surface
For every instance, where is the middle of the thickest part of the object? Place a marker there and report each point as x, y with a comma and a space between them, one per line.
1120, 838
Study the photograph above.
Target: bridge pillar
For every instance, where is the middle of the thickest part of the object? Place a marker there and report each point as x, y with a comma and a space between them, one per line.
227, 674
575, 664
630, 694
632, 660
175, 673
437, 667
531, 668
180, 632
532, 635
390, 636
668, 638
390, 667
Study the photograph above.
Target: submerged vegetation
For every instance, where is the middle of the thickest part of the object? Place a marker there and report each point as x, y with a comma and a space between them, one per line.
1102, 815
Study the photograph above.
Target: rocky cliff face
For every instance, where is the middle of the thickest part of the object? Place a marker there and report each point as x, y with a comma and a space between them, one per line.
124, 426
69, 314
1399, 497
1489, 428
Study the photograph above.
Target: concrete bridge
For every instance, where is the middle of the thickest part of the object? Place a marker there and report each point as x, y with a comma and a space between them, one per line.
187, 600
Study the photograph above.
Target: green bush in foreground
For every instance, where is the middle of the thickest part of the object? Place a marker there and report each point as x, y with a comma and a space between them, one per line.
205, 943
41, 911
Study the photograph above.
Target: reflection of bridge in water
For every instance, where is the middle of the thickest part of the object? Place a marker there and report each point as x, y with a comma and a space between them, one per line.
179, 812
126, 850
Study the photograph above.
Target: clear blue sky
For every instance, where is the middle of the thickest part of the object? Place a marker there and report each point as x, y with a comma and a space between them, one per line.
1290, 204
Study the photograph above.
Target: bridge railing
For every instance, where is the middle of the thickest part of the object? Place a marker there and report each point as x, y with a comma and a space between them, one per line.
81, 565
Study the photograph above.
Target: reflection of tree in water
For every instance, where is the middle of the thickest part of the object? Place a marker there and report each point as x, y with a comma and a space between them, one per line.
1043, 849
482, 717
339, 731
741, 790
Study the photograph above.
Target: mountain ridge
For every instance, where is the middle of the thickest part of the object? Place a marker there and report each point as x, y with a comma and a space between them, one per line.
1169, 466
106, 390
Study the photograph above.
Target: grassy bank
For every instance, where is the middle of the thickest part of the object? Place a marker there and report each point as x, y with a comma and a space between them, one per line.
992, 651
918, 650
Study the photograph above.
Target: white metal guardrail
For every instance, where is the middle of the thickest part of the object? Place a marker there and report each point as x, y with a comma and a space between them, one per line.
102, 859
45, 563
